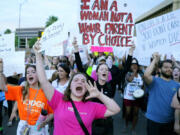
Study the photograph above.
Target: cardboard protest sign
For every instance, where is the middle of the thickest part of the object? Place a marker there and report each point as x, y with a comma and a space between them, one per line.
105, 23
7, 43
83, 54
49, 73
160, 34
14, 63
55, 50
53, 36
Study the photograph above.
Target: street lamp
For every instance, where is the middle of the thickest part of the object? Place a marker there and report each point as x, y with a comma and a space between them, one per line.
21, 2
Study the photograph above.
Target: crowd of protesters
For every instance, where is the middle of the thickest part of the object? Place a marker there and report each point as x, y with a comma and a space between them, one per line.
79, 98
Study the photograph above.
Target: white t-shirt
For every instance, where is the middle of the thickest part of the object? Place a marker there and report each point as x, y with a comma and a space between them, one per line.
135, 84
59, 87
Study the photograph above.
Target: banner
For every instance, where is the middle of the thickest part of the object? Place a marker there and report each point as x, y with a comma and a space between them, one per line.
14, 63
105, 23
53, 37
7, 43
160, 34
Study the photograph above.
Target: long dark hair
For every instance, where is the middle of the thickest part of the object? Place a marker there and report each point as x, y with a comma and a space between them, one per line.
67, 93
25, 90
137, 63
100, 65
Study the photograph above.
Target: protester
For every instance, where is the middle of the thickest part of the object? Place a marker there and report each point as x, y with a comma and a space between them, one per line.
30, 100
160, 115
2, 98
102, 127
65, 121
176, 74
134, 82
176, 101
62, 80
100, 60
12, 80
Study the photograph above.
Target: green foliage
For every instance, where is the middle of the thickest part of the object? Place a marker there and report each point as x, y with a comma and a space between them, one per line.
16, 41
7, 31
32, 41
51, 20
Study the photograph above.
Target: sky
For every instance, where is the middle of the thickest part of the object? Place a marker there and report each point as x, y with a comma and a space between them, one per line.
34, 13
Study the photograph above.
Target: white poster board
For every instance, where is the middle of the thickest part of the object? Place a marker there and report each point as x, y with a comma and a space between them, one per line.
55, 50
160, 34
49, 73
53, 36
7, 43
14, 63
107, 23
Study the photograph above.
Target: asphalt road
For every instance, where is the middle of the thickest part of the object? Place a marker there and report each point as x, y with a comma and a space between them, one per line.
118, 123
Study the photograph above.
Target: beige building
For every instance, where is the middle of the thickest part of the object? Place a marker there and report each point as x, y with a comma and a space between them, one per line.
165, 7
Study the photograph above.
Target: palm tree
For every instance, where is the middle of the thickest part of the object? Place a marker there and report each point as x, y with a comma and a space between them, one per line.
51, 20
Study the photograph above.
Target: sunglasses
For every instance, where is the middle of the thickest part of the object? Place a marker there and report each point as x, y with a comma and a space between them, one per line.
63, 61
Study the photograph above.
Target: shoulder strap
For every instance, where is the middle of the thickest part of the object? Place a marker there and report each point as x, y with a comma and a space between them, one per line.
79, 119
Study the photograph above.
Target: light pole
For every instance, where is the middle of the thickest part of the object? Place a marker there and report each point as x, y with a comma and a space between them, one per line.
21, 2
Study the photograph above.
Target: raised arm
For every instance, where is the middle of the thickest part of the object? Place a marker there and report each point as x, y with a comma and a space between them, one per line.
176, 100
77, 56
129, 60
148, 78
174, 62
45, 84
2, 77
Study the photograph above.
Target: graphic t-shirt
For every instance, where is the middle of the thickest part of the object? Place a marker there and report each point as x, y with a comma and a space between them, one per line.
135, 84
15, 93
65, 122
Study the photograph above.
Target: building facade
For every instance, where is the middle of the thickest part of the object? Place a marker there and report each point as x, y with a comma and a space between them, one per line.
165, 7
26, 34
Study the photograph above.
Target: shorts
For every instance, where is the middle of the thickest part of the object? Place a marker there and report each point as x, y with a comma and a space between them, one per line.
131, 103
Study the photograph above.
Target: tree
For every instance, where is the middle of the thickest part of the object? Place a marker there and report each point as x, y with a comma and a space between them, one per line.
16, 41
51, 20
7, 31
31, 42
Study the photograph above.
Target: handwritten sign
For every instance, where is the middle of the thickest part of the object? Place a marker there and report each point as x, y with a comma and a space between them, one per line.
7, 43
55, 50
14, 63
105, 23
161, 34
53, 36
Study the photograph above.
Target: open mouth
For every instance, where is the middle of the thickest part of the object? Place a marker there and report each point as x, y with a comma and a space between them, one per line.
31, 78
104, 75
79, 89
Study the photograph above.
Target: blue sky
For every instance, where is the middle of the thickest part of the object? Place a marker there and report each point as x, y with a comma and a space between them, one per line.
34, 13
